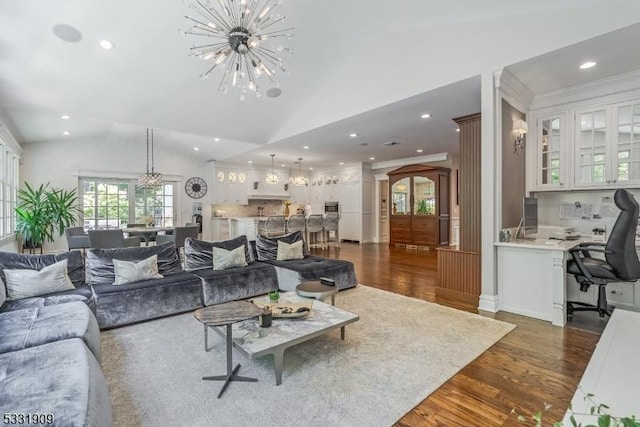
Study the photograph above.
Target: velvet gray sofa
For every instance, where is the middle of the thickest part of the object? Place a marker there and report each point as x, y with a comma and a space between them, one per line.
50, 350
116, 305
218, 286
292, 272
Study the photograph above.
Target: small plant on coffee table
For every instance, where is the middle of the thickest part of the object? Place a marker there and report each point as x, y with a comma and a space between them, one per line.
274, 296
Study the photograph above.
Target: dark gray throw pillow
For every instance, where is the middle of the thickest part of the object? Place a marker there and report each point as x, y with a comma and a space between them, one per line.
267, 247
198, 254
100, 261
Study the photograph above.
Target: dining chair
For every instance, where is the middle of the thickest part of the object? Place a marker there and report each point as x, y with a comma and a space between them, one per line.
77, 238
179, 235
112, 238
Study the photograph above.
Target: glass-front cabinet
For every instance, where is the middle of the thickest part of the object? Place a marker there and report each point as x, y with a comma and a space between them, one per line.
608, 146
419, 206
551, 158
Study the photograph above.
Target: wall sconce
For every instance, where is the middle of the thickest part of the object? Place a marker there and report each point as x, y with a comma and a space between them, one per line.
520, 129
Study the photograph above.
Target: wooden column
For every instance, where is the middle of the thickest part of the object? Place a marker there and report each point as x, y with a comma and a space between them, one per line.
459, 270
469, 185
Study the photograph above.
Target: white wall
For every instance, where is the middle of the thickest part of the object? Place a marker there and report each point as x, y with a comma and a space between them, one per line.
59, 162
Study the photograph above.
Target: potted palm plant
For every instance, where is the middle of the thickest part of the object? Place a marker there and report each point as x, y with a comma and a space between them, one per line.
44, 212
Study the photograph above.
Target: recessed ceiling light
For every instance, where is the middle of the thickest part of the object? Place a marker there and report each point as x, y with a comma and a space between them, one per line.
67, 33
588, 64
65, 117
250, 161
310, 169
106, 44
216, 139
372, 158
458, 130
353, 135
282, 165
419, 150
306, 147
425, 116
66, 133
196, 149
274, 92
341, 163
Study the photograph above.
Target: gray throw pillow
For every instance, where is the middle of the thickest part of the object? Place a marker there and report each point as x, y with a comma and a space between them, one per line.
223, 259
288, 251
198, 253
267, 247
3, 293
129, 271
24, 283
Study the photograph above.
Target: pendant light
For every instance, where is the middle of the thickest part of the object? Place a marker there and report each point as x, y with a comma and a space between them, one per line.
272, 177
151, 179
300, 180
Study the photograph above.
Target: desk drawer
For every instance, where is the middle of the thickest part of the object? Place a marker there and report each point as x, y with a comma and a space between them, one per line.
621, 293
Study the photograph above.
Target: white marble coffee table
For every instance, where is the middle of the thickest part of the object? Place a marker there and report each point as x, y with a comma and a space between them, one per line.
253, 341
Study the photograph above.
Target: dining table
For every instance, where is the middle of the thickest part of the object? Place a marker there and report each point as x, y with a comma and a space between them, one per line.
147, 233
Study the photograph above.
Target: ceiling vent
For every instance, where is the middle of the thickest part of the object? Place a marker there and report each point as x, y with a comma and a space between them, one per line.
391, 143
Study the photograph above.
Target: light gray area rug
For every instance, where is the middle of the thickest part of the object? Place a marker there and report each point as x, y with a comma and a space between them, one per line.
401, 350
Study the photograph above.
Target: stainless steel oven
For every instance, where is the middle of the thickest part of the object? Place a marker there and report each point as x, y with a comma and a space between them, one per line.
331, 207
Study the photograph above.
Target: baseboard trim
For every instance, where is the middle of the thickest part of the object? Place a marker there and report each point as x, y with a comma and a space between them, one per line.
488, 303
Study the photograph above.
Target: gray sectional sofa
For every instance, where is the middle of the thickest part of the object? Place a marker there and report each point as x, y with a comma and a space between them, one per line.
50, 344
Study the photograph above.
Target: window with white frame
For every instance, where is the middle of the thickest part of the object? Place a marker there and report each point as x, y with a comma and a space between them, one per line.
114, 203
9, 161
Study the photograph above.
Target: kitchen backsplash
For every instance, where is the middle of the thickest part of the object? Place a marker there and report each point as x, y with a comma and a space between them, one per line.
270, 207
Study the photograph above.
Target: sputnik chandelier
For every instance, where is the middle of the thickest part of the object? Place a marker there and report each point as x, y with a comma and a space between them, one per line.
243, 40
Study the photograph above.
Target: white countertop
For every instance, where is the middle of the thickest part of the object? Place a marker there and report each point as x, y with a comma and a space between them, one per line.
549, 244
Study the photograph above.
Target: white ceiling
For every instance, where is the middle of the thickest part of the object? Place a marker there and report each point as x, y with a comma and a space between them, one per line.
347, 75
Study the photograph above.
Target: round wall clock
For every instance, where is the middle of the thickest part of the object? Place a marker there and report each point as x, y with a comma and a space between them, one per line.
196, 187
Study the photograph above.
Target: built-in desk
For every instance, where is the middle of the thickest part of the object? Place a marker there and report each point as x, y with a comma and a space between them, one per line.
532, 279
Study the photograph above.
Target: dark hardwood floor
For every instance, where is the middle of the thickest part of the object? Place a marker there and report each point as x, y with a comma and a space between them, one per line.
534, 365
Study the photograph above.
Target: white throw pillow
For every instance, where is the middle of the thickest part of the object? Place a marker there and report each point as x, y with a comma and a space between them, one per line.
23, 283
288, 251
129, 271
223, 259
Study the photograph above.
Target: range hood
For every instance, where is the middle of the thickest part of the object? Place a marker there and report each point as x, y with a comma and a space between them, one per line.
269, 196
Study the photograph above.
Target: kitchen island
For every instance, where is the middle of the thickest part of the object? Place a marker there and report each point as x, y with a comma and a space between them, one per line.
239, 226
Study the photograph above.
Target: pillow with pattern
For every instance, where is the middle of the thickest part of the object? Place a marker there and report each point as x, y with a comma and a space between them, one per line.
223, 259
131, 271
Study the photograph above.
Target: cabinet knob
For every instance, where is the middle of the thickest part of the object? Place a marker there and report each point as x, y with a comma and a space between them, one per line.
614, 181
617, 292
562, 183
608, 181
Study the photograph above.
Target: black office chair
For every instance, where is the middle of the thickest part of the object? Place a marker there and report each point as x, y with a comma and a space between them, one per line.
621, 260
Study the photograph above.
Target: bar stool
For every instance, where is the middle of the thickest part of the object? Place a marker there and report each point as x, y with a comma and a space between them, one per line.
331, 224
295, 223
274, 226
314, 231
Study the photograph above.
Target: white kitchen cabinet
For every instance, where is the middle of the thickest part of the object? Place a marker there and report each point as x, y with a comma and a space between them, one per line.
607, 146
551, 152
220, 228
230, 186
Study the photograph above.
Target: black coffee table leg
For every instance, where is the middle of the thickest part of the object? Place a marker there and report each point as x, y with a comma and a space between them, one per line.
231, 372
